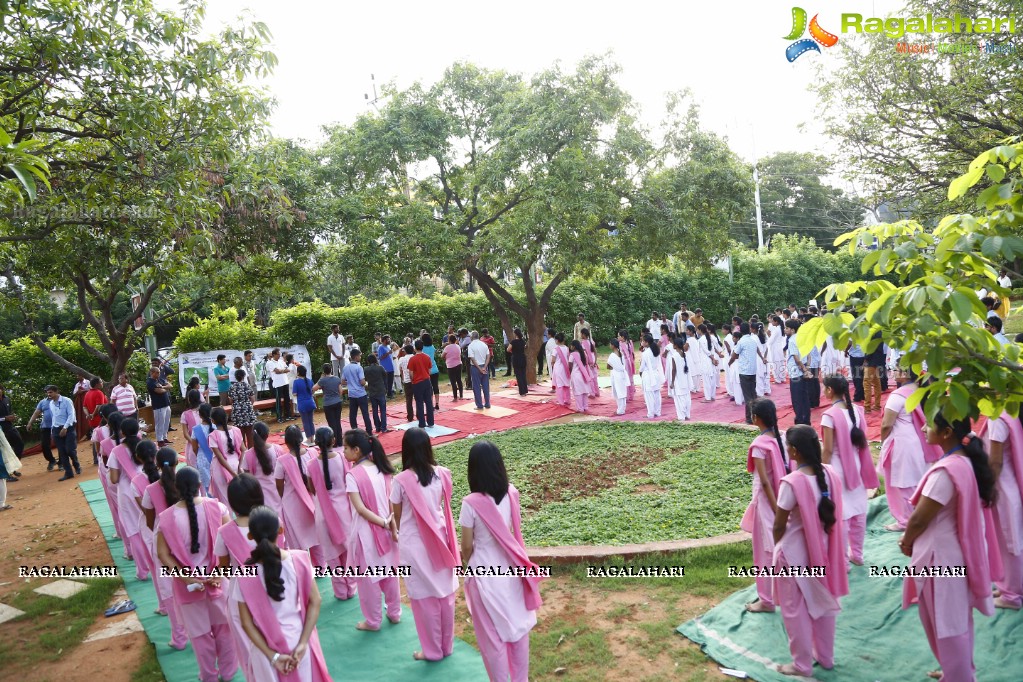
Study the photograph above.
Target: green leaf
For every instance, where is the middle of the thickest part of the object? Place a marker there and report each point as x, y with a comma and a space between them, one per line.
960, 398
27, 181
962, 306
964, 182
996, 172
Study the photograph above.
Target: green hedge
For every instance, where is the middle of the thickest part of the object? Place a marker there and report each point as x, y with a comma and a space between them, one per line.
224, 329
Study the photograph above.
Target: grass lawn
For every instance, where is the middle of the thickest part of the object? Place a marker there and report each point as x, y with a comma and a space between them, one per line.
619, 482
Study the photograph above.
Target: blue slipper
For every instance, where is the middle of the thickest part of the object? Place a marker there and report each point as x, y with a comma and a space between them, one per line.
123, 606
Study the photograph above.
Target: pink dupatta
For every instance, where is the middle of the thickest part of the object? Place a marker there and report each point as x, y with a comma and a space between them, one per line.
258, 602
157, 497
290, 465
974, 525
442, 548
335, 527
857, 466
629, 355
584, 368
768, 444
237, 543
511, 541
381, 536
835, 578
1013, 448
932, 453
563, 359
125, 461
179, 547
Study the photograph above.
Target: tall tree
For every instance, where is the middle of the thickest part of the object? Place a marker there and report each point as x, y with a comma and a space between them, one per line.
796, 199
158, 165
520, 182
907, 125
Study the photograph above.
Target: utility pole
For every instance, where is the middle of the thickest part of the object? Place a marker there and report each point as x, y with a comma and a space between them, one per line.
756, 193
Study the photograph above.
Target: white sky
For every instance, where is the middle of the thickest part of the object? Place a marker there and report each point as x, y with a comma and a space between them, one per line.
730, 54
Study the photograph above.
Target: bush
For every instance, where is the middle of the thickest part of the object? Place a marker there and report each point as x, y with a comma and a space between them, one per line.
225, 330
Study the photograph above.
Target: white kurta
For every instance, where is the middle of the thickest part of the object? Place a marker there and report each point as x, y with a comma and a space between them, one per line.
650, 368
619, 378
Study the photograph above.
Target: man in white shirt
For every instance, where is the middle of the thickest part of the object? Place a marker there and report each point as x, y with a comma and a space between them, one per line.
676, 319
479, 359
336, 348
277, 370
577, 330
350, 345
548, 351
653, 325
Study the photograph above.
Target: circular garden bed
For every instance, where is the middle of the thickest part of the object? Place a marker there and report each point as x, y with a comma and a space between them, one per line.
614, 483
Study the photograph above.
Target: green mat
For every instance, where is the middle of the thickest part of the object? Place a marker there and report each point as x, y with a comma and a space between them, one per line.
351, 654
875, 641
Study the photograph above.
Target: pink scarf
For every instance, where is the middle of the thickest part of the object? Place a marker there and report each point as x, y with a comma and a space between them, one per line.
591, 352
973, 526
511, 541
776, 464
1013, 448
291, 472
562, 357
629, 355
331, 516
258, 602
128, 466
157, 497
584, 370
932, 453
832, 557
138, 483
381, 536
252, 462
857, 467
179, 547
236, 542
442, 547
107, 446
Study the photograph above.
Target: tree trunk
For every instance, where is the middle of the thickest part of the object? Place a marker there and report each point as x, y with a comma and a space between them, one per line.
535, 324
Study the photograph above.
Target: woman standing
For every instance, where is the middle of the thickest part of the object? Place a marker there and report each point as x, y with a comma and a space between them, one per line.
517, 351
652, 376
327, 472
560, 372
1003, 438
579, 376
453, 361
431, 353
226, 445
123, 466
710, 363
299, 517
421, 502
947, 528
189, 420
503, 607
243, 415
302, 388
619, 382
628, 349
260, 461
8, 421
679, 380
590, 353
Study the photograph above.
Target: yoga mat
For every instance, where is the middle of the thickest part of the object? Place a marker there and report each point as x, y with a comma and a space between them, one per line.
351, 654
435, 431
875, 640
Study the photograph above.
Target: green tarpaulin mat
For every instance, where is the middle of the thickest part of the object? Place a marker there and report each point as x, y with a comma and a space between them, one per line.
875, 641
351, 655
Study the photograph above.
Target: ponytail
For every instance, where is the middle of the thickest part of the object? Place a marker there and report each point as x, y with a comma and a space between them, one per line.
973, 448
145, 452
219, 418
324, 438
260, 432
767, 411
840, 386
804, 439
293, 439
187, 483
706, 335
370, 446
114, 422
264, 526
130, 431
167, 461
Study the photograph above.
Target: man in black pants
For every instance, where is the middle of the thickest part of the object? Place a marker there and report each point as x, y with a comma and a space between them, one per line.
42, 412
746, 352
856, 356
62, 414
422, 390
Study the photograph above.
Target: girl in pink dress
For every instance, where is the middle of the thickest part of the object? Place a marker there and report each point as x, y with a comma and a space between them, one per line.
842, 432
1003, 439
373, 535
590, 351
185, 543
295, 490
260, 461
579, 376
157, 497
189, 420
559, 372
234, 548
123, 466
807, 537
112, 423
503, 607
766, 461
226, 445
145, 453
421, 501
629, 360
947, 528
905, 454
279, 608
327, 471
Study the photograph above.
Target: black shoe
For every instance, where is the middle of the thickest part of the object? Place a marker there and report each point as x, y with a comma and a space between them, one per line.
171, 428
78, 471
51, 466
65, 477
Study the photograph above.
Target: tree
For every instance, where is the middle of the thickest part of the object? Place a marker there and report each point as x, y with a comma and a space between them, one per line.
519, 183
932, 311
908, 125
158, 160
796, 201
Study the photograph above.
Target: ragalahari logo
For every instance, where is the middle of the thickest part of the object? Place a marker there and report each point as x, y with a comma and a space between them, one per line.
818, 35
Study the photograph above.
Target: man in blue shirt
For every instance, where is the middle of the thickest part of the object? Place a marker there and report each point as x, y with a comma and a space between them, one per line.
43, 410
222, 373
797, 374
354, 378
62, 430
387, 362
746, 352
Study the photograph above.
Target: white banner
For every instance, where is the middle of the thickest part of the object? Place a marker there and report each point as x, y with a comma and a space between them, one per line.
201, 365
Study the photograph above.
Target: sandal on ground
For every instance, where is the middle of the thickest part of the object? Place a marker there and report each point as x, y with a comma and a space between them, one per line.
757, 606
361, 625
6, 507
123, 606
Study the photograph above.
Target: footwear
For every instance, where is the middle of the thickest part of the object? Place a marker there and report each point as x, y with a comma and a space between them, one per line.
66, 477
78, 471
6, 507
11, 479
171, 428
123, 606
51, 466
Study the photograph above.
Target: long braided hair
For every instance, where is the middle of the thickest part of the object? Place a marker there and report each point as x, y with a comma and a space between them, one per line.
293, 439
839, 385
187, 483
264, 526
219, 418
167, 461
973, 448
767, 411
680, 345
324, 438
145, 452
260, 432
805, 441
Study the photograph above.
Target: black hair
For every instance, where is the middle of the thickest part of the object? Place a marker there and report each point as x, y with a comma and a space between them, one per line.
114, 422
995, 322
219, 418
206, 413
187, 483
615, 343
239, 375
417, 345
624, 333
355, 353
372, 359
95, 381
839, 385
706, 335
974, 451
560, 336
324, 438
167, 461
760, 333
244, 493
585, 331
293, 439
194, 381
260, 432
145, 453
487, 473
130, 431
194, 398
327, 368
655, 348
427, 340
369, 445
577, 347
417, 454
264, 527
517, 332
303, 373
805, 441
680, 343
744, 328
988, 301
767, 411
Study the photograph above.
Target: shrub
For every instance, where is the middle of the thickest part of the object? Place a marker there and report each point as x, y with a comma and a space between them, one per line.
223, 329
